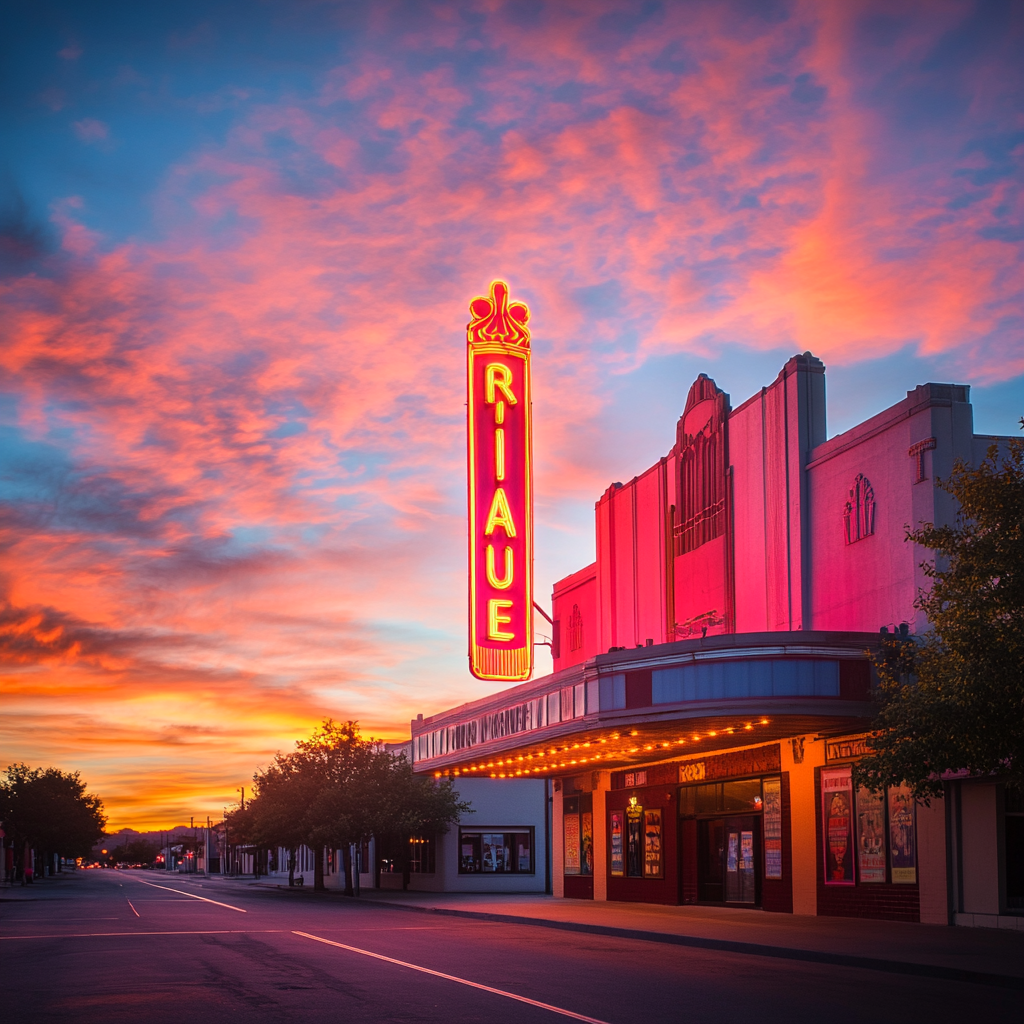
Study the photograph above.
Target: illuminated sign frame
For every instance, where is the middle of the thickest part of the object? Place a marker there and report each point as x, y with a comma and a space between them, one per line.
500, 450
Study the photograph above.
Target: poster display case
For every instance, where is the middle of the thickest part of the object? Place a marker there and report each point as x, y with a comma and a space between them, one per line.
870, 836
902, 835
615, 847
772, 795
837, 825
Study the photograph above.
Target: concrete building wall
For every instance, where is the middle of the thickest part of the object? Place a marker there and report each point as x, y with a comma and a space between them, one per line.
800, 756
499, 805
980, 848
746, 457
579, 592
931, 854
603, 780
557, 850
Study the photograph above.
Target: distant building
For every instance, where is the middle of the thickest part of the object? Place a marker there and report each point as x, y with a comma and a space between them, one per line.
711, 687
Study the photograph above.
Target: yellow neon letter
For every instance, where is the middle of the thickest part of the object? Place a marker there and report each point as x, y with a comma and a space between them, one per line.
500, 515
499, 412
492, 577
497, 375
495, 619
499, 453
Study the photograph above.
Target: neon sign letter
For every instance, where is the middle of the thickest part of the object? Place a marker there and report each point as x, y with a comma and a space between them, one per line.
500, 489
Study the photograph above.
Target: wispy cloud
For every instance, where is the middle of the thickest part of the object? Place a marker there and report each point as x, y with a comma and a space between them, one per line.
90, 130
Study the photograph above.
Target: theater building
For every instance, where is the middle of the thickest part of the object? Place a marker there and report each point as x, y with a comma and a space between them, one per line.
711, 685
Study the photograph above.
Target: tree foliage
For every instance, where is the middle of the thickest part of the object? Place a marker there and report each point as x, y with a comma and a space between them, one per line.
336, 789
50, 810
953, 700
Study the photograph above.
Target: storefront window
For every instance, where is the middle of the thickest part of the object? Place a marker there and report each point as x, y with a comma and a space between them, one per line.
742, 797
421, 856
634, 839
653, 860
578, 835
497, 853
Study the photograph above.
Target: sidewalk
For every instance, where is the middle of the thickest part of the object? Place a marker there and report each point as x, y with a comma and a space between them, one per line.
986, 956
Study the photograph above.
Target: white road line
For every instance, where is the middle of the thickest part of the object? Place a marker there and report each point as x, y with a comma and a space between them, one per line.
114, 935
134, 911
193, 895
452, 977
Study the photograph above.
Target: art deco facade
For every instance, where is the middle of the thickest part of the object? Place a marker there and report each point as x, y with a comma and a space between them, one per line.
711, 685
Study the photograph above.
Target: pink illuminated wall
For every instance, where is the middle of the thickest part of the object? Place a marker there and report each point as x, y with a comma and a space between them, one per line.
754, 521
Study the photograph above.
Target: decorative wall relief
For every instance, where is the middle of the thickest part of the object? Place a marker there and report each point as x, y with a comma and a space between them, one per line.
916, 452
859, 510
575, 629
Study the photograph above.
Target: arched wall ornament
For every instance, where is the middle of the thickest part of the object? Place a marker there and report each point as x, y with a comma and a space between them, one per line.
859, 510
702, 460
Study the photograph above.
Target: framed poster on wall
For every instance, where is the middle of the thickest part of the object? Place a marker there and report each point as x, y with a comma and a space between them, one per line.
615, 847
870, 836
771, 790
837, 825
634, 839
586, 843
902, 834
571, 831
653, 867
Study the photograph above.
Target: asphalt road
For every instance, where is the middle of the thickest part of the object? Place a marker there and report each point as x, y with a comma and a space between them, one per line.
113, 946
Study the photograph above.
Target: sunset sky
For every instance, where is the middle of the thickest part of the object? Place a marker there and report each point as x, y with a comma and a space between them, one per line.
237, 248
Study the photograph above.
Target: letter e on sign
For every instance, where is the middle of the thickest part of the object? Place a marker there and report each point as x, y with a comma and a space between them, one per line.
500, 444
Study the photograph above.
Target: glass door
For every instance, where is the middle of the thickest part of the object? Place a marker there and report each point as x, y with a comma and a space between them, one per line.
710, 860
740, 861
727, 859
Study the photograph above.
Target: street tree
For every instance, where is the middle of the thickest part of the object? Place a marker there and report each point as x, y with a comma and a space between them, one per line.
337, 789
953, 699
50, 811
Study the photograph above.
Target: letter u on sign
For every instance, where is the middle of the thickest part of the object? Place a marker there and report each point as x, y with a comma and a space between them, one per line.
500, 448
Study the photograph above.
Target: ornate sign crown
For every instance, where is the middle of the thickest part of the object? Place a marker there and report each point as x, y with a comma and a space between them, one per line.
495, 319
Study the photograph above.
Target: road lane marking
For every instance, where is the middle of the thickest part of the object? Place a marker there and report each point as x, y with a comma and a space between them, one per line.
134, 911
114, 935
192, 895
452, 977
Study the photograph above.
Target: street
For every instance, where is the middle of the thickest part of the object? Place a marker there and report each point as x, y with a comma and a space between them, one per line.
139, 945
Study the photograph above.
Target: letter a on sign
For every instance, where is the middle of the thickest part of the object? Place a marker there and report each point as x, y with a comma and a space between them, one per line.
500, 489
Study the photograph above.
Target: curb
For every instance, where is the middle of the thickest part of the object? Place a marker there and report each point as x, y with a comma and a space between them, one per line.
730, 946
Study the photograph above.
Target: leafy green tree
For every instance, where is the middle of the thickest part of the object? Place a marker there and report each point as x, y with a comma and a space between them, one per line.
953, 700
50, 811
337, 789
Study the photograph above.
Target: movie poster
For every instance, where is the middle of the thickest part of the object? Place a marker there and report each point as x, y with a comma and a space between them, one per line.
902, 834
771, 790
870, 836
652, 844
587, 843
617, 866
572, 844
837, 825
635, 841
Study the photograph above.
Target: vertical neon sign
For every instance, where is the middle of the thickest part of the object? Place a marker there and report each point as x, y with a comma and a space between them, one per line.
500, 489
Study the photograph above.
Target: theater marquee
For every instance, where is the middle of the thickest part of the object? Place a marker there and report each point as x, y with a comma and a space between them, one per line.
500, 489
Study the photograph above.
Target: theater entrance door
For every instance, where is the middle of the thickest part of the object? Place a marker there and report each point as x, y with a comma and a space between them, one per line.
728, 853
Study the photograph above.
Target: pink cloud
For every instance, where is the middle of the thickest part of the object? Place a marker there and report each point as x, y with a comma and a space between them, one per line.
263, 516
89, 130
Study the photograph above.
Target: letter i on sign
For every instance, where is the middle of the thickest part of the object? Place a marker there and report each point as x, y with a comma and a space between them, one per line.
500, 488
